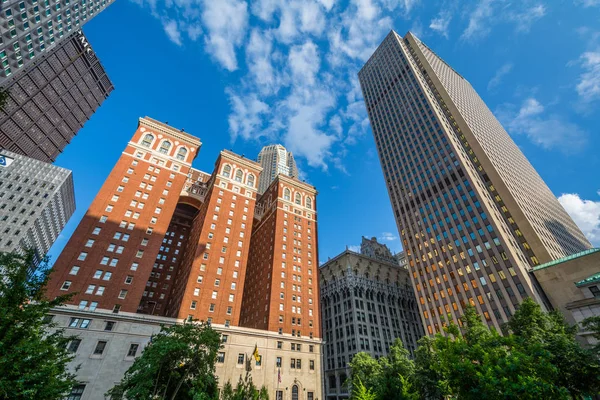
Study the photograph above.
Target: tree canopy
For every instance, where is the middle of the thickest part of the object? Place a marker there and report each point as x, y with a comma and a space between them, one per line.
537, 357
179, 363
33, 353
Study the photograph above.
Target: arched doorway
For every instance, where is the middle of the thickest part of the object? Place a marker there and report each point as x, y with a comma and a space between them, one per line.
295, 392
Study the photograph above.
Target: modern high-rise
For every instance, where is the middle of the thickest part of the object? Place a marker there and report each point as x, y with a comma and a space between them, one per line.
36, 201
275, 159
367, 302
51, 99
32, 28
473, 213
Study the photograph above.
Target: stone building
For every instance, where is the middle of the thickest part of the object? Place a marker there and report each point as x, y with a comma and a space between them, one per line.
366, 303
572, 285
106, 345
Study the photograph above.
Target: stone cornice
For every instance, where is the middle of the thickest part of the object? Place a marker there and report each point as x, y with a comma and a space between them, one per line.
158, 126
241, 160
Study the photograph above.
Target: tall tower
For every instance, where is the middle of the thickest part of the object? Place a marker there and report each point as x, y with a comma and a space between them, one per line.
275, 159
52, 98
473, 213
34, 28
110, 256
281, 292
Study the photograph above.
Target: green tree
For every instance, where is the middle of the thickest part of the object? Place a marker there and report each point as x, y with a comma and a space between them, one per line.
33, 354
245, 390
179, 363
592, 324
389, 378
362, 393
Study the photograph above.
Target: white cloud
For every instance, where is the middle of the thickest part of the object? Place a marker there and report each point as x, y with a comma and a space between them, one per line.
547, 131
588, 3
478, 21
304, 63
172, 31
441, 23
388, 236
246, 118
588, 86
354, 248
525, 18
226, 22
497, 79
585, 213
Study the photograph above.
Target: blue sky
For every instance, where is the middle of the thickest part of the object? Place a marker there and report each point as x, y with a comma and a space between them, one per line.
241, 75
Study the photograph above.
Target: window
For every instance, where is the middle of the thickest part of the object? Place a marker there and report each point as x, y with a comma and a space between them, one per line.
308, 202
165, 147
298, 198
240, 359
74, 345
193, 305
239, 175
148, 138
76, 392
286, 194
221, 357
96, 231
311, 365
66, 285
133, 348
250, 180
595, 291
181, 153
109, 326
82, 256
226, 171
122, 294
100, 346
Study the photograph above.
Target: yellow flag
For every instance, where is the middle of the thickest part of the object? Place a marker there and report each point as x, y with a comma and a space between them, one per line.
255, 354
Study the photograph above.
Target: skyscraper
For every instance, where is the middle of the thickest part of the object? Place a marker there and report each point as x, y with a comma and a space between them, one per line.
275, 159
110, 256
34, 28
52, 98
474, 215
281, 292
36, 201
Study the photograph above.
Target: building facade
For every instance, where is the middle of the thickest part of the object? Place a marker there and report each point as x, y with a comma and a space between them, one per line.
107, 344
31, 29
367, 302
162, 239
36, 201
281, 293
51, 98
473, 224
110, 256
275, 160
572, 285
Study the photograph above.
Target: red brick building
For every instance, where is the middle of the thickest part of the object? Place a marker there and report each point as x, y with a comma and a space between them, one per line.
282, 287
110, 256
163, 238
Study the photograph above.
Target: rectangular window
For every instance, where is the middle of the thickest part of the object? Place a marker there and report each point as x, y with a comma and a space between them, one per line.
82, 256
133, 348
74, 345
240, 359
100, 346
109, 326
76, 392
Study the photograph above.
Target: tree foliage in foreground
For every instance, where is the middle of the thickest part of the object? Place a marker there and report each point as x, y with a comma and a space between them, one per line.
537, 358
179, 364
245, 390
33, 360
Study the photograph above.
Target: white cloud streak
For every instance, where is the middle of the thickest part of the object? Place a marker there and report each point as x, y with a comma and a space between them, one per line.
500, 74
585, 213
441, 23
588, 86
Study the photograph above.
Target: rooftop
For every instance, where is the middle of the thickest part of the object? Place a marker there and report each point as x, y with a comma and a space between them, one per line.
592, 279
565, 259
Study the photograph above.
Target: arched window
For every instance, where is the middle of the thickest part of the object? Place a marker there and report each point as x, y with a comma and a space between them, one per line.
239, 175
250, 180
227, 171
165, 147
308, 202
298, 198
295, 392
286, 194
181, 153
148, 138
